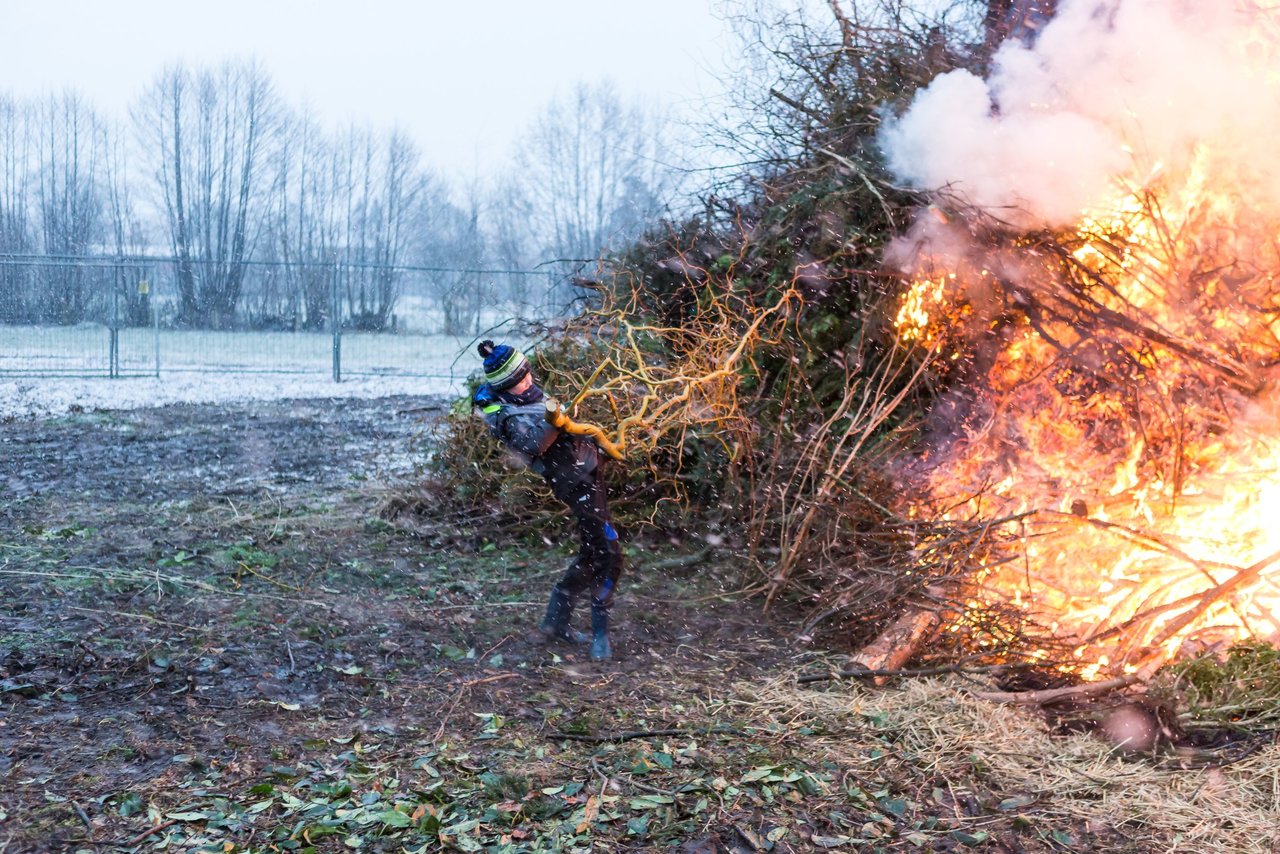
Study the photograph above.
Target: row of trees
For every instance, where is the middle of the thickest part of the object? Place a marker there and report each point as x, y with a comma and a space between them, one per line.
267, 213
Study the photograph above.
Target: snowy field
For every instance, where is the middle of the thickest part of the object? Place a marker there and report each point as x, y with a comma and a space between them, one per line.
51, 371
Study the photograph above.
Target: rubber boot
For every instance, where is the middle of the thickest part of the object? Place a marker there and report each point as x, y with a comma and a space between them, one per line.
600, 648
556, 623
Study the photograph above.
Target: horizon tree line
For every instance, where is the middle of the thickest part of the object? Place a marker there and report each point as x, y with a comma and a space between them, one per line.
268, 215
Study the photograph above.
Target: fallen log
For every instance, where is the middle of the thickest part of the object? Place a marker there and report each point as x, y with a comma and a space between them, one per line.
896, 645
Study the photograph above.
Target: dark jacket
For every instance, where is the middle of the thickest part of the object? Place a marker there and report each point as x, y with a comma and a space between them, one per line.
564, 459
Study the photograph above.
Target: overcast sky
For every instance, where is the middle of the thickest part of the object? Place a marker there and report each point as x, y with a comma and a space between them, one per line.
463, 78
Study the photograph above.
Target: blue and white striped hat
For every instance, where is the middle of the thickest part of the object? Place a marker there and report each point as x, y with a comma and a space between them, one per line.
504, 365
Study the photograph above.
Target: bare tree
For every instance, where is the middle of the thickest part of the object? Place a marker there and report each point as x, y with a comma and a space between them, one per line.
161, 120
70, 204
207, 136
454, 244
384, 185
590, 174
347, 212
124, 228
299, 234
16, 231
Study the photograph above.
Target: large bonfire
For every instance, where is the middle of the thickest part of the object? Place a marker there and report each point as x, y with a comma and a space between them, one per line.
1101, 273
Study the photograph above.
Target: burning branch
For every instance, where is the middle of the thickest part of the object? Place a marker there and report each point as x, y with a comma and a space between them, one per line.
1244, 576
1124, 358
1078, 302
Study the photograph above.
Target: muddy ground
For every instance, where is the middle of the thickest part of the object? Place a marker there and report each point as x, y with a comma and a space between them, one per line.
211, 640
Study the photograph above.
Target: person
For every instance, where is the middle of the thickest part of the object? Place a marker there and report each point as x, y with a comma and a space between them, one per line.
514, 408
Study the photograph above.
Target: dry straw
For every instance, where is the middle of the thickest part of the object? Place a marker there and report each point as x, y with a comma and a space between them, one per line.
938, 728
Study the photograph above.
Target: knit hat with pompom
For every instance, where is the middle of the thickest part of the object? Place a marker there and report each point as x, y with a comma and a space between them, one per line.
504, 365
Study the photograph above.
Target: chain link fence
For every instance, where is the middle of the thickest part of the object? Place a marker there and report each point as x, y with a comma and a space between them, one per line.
130, 317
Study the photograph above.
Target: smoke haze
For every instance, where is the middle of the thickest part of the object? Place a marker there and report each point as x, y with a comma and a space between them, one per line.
1110, 95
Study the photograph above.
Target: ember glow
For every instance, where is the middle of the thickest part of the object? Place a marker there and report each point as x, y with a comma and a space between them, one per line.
1118, 403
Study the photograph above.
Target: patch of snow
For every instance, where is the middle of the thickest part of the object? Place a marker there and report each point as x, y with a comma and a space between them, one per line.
35, 397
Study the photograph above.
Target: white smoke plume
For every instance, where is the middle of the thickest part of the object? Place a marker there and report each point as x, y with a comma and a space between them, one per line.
1110, 94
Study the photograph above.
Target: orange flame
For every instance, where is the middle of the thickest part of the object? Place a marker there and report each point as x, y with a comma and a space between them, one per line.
1124, 418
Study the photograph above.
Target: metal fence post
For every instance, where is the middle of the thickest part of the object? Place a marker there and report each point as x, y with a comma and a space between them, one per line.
113, 348
144, 290
337, 327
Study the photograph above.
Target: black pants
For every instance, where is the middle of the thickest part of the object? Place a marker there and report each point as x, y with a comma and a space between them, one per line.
599, 561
